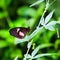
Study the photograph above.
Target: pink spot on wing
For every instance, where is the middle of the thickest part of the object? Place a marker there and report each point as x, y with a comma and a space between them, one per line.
21, 33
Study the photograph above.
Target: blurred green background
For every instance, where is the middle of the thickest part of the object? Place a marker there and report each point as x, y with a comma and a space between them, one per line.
17, 13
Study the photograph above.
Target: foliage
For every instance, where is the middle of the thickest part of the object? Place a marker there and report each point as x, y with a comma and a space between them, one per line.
40, 17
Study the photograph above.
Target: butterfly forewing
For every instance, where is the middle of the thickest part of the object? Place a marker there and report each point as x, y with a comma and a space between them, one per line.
19, 32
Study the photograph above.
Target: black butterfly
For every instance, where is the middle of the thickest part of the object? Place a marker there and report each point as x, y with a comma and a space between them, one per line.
19, 32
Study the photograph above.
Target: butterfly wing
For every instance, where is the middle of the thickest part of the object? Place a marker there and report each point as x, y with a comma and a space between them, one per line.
19, 32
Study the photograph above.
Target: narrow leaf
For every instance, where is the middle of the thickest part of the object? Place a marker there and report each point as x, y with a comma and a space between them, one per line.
16, 58
36, 3
42, 21
29, 44
28, 56
52, 23
47, 5
49, 17
41, 55
35, 51
58, 22
24, 58
40, 47
16, 41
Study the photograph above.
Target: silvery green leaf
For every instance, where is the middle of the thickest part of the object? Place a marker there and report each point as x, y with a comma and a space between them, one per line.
16, 58
34, 32
52, 23
49, 16
47, 5
50, 27
27, 38
29, 44
35, 51
24, 58
40, 47
41, 55
39, 1
42, 20
51, 3
58, 22
28, 56
16, 41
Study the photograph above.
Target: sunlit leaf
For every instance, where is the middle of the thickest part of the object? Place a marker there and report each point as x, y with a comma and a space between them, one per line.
4, 3
29, 44
39, 1
24, 58
26, 11
21, 40
3, 44
49, 16
28, 56
40, 47
15, 53
20, 22
35, 51
40, 9
47, 5
57, 42
52, 23
58, 22
5, 32
16, 58
50, 27
42, 21
3, 14
41, 55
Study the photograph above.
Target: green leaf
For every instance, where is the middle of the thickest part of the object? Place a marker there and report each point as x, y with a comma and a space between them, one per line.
26, 11
3, 44
57, 42
4, 3
5, 32
20, 22
15, 53
3, 14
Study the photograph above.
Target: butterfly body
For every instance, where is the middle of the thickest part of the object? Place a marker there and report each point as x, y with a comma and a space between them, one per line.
19, 32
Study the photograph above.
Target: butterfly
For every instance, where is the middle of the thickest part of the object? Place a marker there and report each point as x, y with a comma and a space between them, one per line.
19, 32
